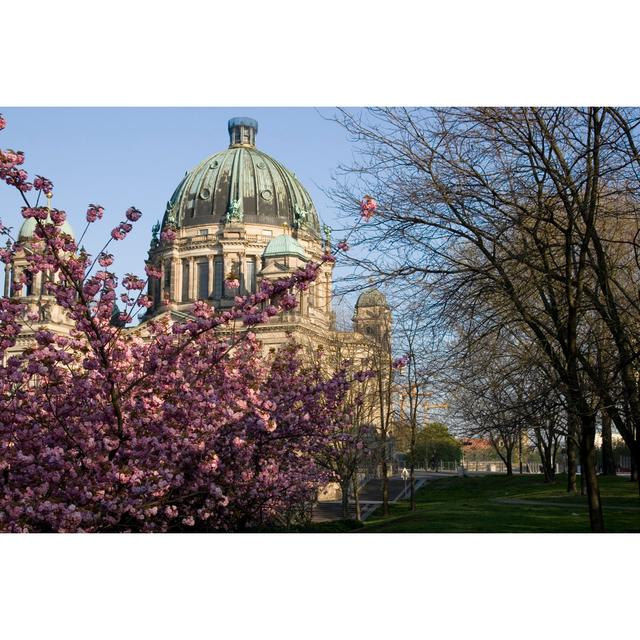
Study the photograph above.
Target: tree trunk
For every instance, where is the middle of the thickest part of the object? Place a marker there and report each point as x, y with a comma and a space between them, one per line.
385, 485
588, 461
520, 449
344, 486
635, 463
572, 454
547, 456
412, 497
356, 497
548, 465
608, 460
412, 489
508, 460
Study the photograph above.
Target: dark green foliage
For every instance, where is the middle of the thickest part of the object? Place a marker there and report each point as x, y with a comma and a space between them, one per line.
434, 444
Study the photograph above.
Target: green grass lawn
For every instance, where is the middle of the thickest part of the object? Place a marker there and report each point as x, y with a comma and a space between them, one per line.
469, 505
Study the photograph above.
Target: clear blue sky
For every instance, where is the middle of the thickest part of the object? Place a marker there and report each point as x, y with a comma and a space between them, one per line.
120, 157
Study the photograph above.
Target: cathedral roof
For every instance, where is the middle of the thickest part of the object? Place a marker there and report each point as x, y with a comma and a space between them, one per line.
372, 298
284, 245
245, 181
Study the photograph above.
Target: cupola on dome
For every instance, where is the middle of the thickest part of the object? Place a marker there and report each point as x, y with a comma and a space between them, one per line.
241, 184
29, 226
372, 298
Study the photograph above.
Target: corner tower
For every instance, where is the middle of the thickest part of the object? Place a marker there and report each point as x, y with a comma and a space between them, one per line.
41, 310
372, 317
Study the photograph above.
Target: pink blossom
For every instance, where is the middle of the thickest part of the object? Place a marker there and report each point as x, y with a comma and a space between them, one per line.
343, 246
288, 302
152, 271
42, 184
328, 257
105, 259
3, 122
168, 234
120, 232
133, 214
94, 212
232, 283
57, 217
401, 362
368, 207
132, 282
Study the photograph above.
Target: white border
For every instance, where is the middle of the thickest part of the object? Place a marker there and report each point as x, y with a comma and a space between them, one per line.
316, 54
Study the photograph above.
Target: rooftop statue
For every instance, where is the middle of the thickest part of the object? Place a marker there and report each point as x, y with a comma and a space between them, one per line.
234, 212
155, 231
300, 216
171, 216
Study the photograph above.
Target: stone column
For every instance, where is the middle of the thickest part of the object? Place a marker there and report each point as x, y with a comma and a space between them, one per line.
176, 265
192, 278
327, 293
7, 280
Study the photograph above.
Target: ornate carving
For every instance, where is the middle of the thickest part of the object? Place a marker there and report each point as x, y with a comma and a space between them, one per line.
171, 216
234, 211
327, 234
44, 312
155, 231
300, 217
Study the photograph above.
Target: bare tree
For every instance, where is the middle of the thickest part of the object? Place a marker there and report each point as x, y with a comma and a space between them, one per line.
516, 204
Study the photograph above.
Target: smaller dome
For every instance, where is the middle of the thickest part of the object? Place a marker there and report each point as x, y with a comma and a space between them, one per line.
284, 245
29, 226
372, 298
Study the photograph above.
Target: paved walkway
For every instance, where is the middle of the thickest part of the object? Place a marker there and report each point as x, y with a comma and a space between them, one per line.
371, 497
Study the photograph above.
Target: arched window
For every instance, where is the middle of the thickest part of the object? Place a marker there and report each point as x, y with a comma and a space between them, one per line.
30, 277
167, 277
203, 280
218, 277
250, 275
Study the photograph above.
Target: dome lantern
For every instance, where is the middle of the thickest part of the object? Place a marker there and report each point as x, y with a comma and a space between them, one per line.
242, 132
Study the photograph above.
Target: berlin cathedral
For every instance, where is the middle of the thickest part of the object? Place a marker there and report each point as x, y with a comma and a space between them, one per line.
238, 215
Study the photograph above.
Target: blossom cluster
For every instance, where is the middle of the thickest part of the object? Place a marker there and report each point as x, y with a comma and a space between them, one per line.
401, 362
368, 207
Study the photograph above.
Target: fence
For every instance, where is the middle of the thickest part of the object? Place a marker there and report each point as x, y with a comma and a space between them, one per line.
500, 467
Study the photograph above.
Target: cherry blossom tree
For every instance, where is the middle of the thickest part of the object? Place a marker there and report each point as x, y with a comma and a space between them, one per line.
180, 427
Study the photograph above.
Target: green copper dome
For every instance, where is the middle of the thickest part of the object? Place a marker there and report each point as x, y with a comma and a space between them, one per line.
241, 184
29, 226
284, 245
372, 298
